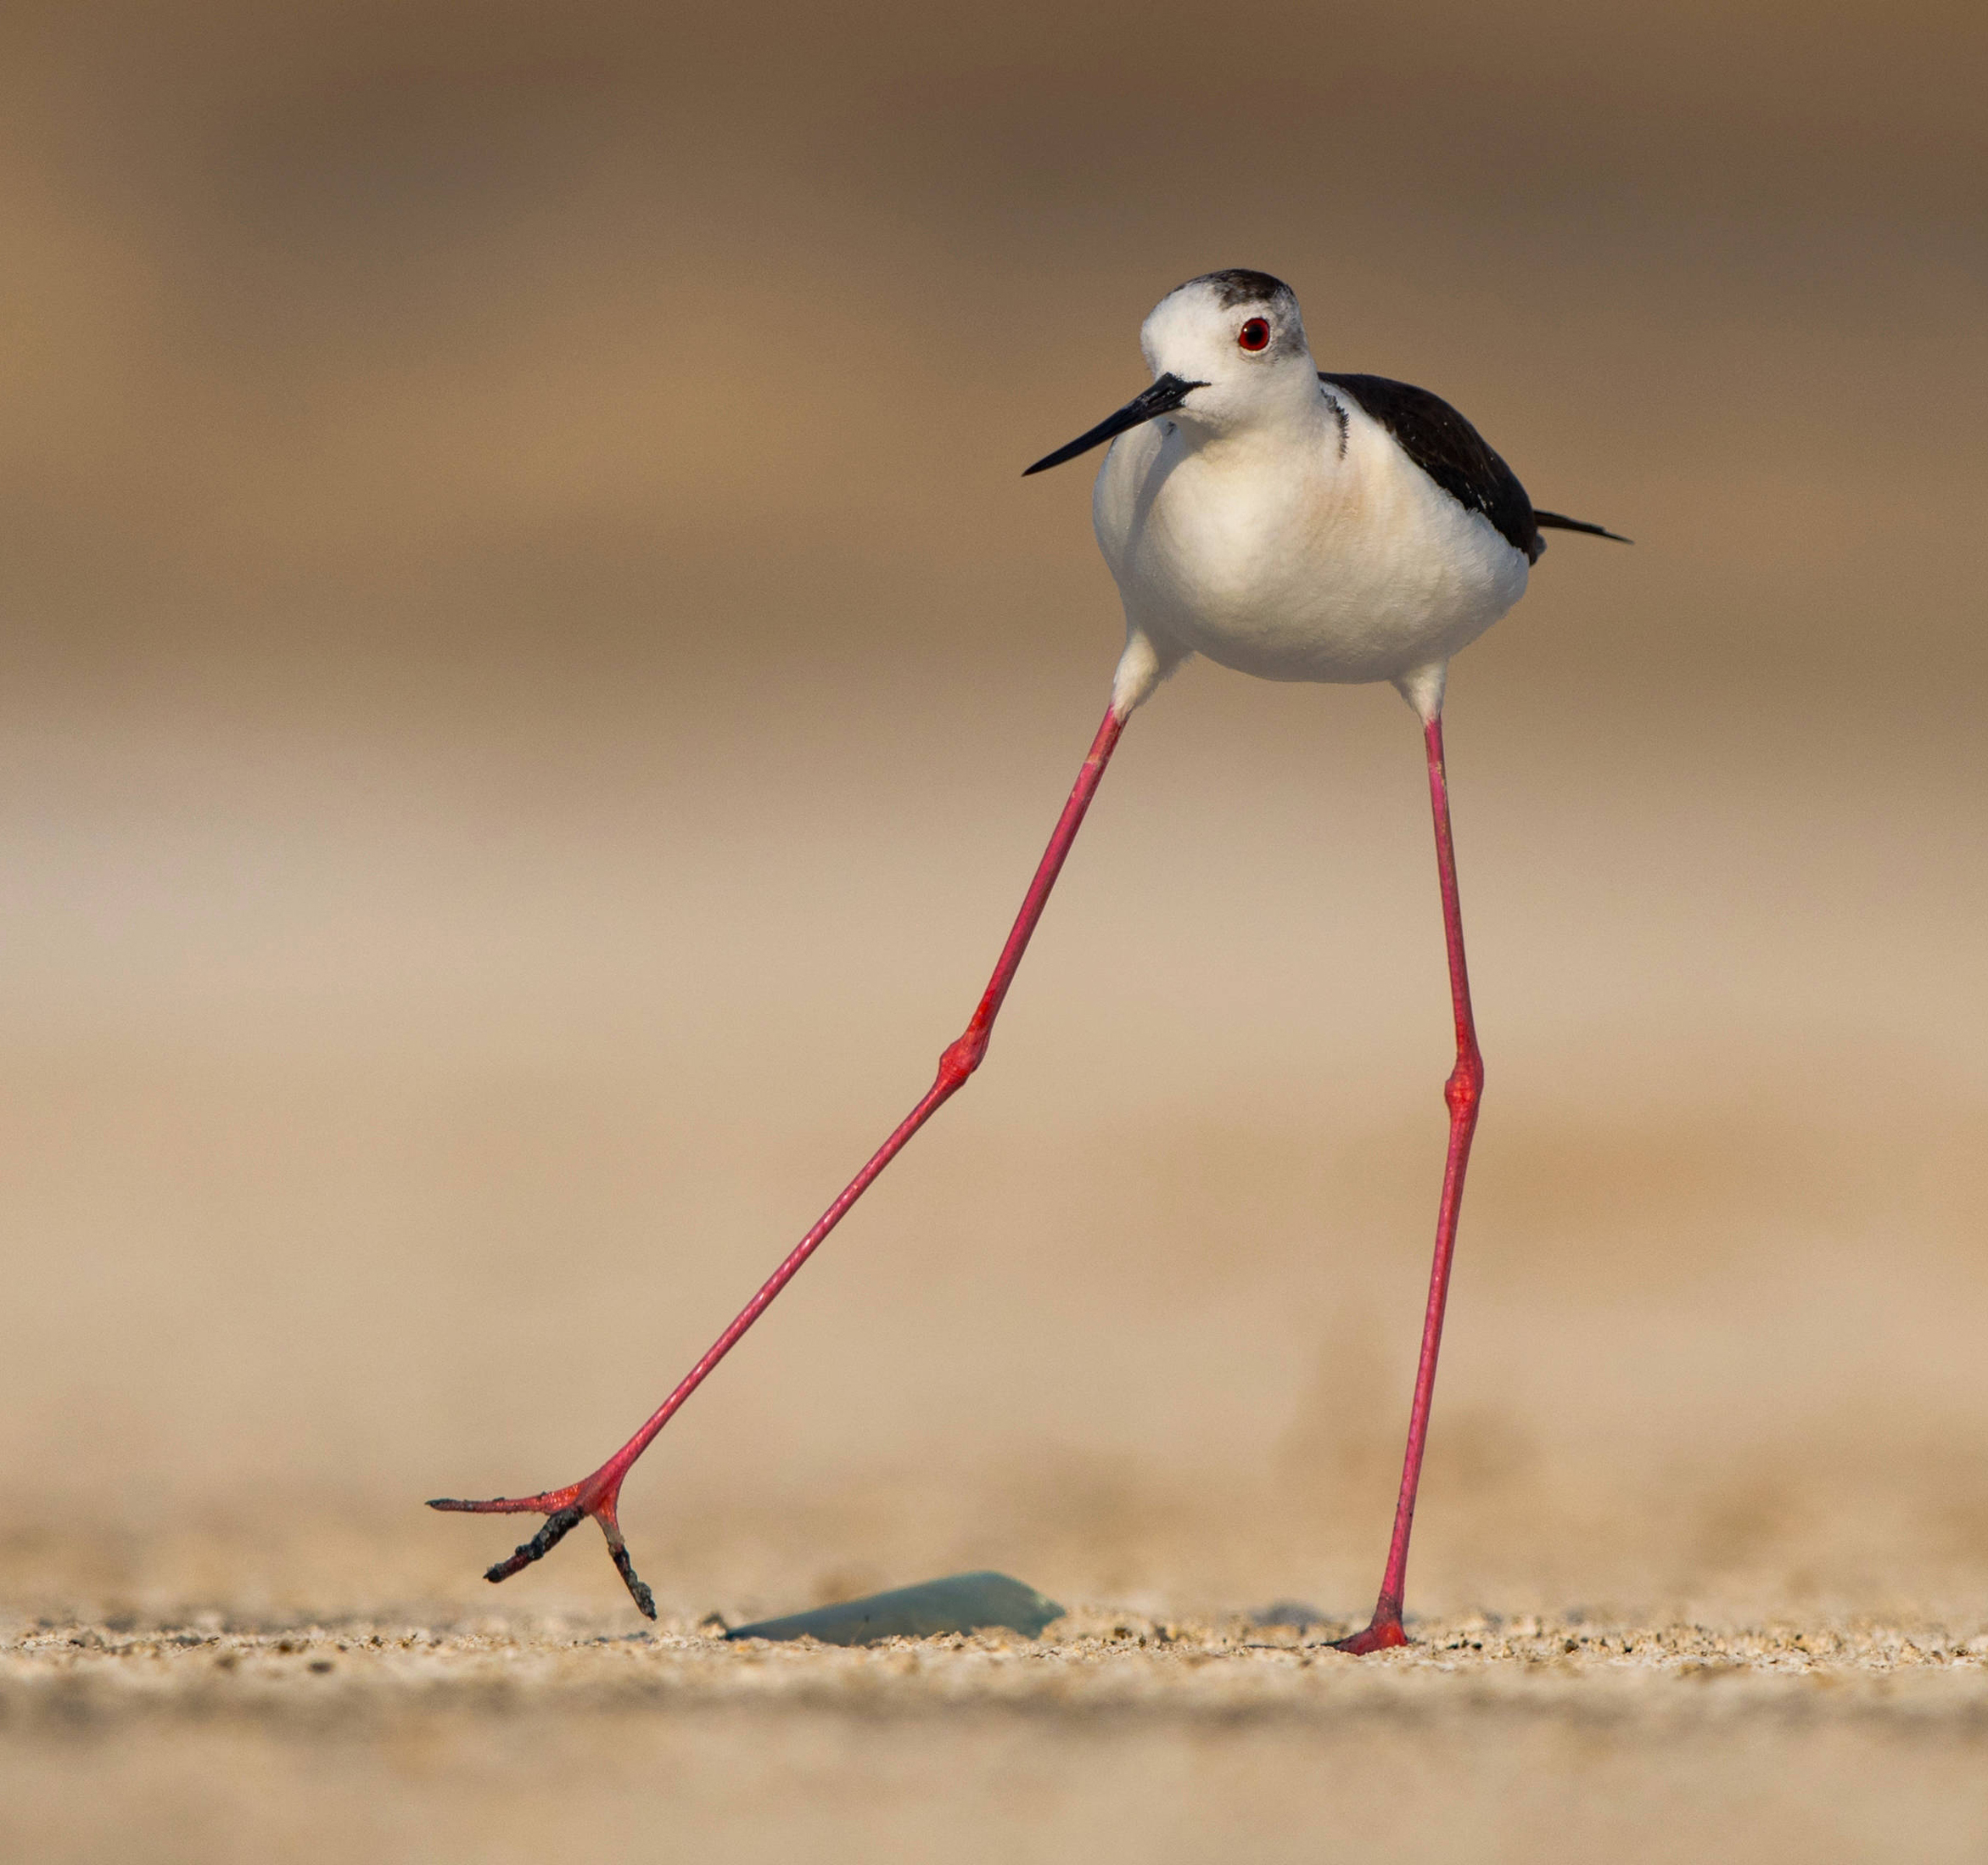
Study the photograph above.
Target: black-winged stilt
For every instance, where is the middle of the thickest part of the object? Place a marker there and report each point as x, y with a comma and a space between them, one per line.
1286, 523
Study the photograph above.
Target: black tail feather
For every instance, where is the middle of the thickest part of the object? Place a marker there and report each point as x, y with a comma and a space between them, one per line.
1552, 521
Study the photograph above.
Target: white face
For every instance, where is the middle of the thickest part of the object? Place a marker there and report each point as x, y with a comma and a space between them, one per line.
1248, 346
1228, 353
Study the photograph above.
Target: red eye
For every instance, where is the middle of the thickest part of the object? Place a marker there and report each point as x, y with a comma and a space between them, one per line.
1255, 334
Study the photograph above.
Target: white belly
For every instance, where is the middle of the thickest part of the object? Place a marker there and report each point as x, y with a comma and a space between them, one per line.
1285, 558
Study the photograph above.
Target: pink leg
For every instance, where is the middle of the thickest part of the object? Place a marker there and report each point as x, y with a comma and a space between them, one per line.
598, 1495
1463, 1091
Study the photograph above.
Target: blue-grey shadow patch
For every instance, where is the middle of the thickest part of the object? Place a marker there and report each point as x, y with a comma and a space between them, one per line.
981, 1602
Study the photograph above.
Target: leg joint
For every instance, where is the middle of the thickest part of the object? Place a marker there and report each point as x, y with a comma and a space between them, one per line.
1465, 1087
962, 1057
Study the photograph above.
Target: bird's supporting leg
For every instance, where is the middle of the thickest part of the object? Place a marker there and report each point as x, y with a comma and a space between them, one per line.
598, 1495
1463, 1091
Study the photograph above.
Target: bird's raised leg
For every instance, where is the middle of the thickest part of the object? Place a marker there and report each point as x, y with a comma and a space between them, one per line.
598, 1495
1463, 1091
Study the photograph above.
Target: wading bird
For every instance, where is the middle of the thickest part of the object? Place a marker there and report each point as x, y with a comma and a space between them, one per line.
1289, 523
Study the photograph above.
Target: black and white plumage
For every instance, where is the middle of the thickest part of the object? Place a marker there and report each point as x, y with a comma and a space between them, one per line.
1293, 523
1458, 458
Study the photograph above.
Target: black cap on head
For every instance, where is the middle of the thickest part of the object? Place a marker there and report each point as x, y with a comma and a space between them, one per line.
1240, 286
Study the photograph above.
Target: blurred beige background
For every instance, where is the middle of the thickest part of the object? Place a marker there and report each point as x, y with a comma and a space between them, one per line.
533, 687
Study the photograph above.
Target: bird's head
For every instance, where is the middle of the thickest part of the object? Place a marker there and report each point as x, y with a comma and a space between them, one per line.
1224, 349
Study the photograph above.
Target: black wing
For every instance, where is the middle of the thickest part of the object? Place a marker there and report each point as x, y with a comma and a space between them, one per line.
1552, 521
1451, 452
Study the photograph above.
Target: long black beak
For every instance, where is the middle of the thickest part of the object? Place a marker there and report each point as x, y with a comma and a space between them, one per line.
1162, 398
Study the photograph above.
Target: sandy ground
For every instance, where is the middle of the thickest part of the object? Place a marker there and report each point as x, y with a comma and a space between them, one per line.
1114, 1735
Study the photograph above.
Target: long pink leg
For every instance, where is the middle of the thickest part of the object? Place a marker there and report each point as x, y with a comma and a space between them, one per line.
1463, 1091
598, 1495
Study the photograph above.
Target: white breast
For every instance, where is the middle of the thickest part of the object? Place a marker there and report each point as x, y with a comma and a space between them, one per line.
1281, 552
